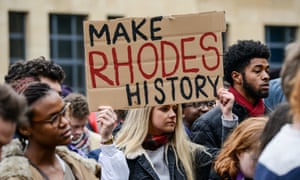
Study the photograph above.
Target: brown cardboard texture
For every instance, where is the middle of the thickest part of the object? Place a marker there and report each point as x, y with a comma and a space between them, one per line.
146, 61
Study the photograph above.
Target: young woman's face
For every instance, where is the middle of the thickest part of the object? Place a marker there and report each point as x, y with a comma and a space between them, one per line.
163, 119
247, 163
50, 124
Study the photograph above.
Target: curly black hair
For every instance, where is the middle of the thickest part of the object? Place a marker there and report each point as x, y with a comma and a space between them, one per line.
16, 71
38, 67
239, 55
45, 68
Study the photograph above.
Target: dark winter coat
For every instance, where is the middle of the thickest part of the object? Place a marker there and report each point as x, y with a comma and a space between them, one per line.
140, 167
208, 130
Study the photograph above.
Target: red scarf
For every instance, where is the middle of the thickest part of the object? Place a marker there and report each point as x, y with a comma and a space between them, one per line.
154, 142
257, 110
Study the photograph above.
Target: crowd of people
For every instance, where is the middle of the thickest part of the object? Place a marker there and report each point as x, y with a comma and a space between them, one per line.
251, 130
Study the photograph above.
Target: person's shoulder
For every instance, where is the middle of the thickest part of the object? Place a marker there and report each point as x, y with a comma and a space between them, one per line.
75, 159
14, 163
285, 148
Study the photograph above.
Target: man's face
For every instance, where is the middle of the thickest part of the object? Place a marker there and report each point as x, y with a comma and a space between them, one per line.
256, 78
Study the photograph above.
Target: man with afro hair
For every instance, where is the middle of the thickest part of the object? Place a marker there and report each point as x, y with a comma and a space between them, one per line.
246, 71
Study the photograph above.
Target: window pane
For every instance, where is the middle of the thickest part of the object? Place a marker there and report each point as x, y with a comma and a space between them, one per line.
277, 34
68, 70
16, 22
66, 41
79, 25
291, 34
277, 55
16, 48
81, 76
64, 24
16, 36
64, 49
52, 49
277, 37
80, 50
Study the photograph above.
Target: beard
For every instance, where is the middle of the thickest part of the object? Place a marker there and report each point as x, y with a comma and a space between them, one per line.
250, 90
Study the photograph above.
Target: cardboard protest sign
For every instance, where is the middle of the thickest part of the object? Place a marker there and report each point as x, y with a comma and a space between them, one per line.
136, 62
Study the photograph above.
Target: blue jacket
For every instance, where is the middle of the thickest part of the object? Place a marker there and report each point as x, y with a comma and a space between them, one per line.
276, 95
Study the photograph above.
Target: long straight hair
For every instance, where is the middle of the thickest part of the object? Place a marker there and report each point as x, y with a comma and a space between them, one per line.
245, 137
135, 129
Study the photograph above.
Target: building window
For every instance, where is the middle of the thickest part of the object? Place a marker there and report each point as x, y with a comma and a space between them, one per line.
67, 50
277, 37
16, 36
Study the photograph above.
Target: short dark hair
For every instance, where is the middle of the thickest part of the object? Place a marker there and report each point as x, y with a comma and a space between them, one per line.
46, 68
79, 105
13, 106
35, 91
239, 55
15, 71
38, 67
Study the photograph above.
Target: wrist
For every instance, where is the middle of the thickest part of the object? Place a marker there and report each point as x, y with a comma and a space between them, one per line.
228, 116
108, 141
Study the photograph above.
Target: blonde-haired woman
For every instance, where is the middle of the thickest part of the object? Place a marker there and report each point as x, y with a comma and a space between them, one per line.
157, 147
238, 156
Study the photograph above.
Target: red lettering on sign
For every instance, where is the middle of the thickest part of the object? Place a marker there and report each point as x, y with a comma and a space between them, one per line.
96, 72
117, 64
139, 60
209, 48
176, 64
186, 57
160, 52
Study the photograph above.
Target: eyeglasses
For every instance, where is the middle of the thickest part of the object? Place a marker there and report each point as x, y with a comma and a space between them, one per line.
56, 118
201, 105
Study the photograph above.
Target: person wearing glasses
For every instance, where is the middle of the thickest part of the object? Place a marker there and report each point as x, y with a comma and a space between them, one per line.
40, 152
191, 111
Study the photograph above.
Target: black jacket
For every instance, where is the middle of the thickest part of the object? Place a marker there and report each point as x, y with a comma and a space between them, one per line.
207, 130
